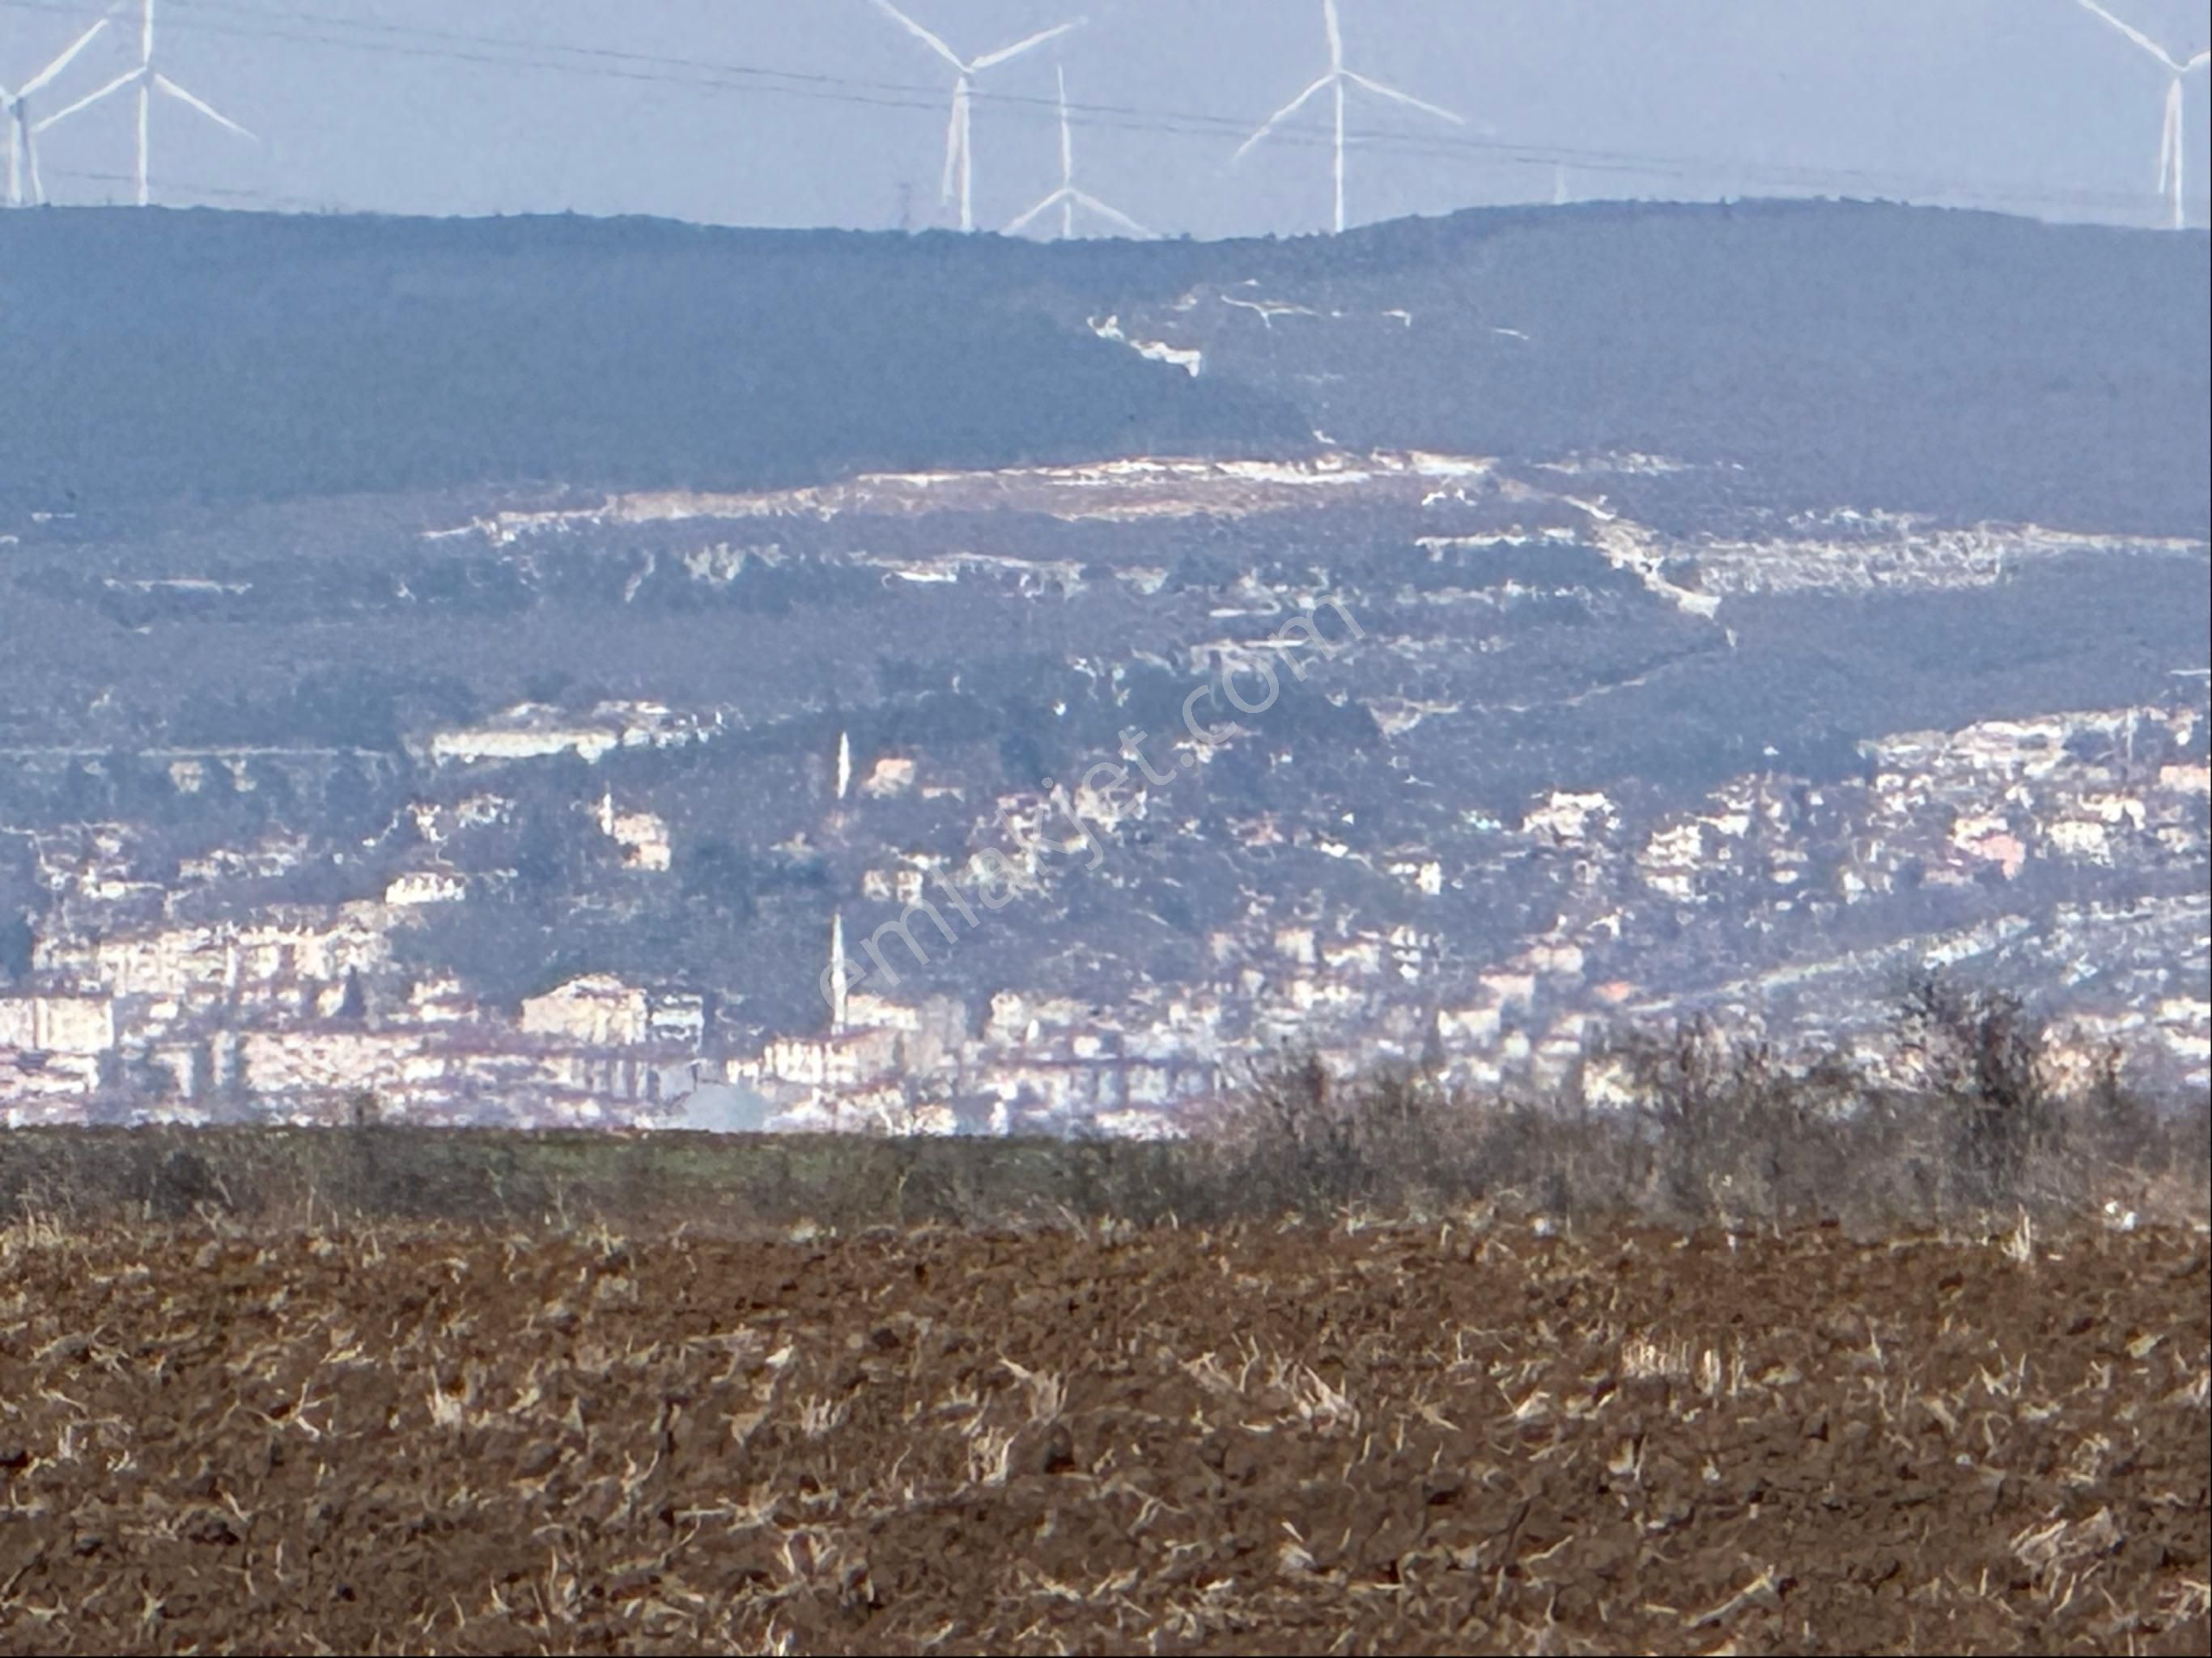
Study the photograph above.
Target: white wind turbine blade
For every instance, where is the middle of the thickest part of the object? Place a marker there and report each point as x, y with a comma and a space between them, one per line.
205, 108
31, 157
992, 59
952, 139
2196, 63
1405, 98
1335, 27
1285, 113
2169, 137
88, 100
920, 34
1114, 214
60, 63
963, 116
2180, 201
1066, 137
22, 154
2134, 35
1016, 226
2169, 154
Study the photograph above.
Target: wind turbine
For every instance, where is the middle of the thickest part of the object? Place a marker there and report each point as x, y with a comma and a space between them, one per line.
1067, 197
959, 151
1336, 80
2170, 150
148, 80
22, 149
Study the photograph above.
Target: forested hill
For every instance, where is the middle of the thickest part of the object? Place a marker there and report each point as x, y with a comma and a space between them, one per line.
1963, 364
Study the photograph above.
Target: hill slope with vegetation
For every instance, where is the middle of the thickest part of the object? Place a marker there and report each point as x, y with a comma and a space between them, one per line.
1953, 362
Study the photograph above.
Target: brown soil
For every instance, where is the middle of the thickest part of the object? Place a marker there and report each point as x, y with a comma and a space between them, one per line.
432, 1439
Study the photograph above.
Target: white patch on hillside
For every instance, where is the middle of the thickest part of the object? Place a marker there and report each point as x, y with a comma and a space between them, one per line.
179, 584
1189, 359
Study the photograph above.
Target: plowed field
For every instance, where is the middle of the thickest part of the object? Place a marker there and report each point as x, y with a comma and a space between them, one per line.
444, 1440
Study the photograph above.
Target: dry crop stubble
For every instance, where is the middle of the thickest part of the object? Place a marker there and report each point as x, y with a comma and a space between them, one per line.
1468, 1435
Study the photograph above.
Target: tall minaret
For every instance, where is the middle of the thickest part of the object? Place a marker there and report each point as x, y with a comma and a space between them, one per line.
844, 763
837, 973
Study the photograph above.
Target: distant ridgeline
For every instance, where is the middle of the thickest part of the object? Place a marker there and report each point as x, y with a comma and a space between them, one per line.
1955, 363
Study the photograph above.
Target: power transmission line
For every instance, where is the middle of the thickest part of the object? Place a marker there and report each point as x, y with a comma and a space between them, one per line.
232, 193
718, 76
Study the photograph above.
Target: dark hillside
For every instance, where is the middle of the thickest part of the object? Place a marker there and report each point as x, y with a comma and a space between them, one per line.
1959, 364
225, 357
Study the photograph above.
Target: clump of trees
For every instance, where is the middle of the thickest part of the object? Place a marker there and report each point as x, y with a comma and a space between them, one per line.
1956, 1121
1958, 1117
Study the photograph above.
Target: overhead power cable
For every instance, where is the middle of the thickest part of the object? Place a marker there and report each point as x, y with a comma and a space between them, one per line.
295, 25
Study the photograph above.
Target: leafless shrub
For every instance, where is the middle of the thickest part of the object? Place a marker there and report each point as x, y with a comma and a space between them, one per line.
1959, 1119
1980, 1057
1297, 1140
1731, 1131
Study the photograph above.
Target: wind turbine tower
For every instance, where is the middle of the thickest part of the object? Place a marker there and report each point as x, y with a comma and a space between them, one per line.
22, 149
2170, 151
959, 147
1338, 81
1067, 197
149, 80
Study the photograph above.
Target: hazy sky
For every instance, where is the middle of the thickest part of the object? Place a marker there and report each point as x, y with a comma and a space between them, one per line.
820, 112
